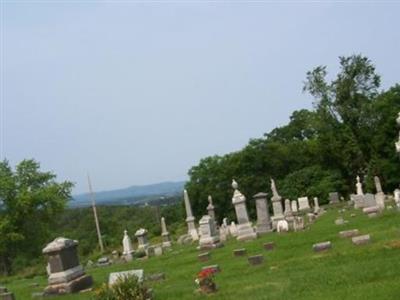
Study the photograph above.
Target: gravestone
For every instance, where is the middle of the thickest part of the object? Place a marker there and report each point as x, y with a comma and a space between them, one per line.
66, 274
317, 209
209, 236
256, 260
371, 211
358, 201
396, 195
269, 246
5, 294
189, 217
304, 205
298, 223
359, 186
276, 205
322, 246
361, 240
294, 206
113, 277
333, 198
233, 229
165, 234
245, 230
141, 235
239, 252
204, 256
263, 219
282, 226
210, 208
349, 233
127, 247
369, 200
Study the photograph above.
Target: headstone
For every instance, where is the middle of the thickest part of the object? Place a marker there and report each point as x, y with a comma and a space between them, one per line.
66, 274
369, 200
185, 239
150, 251
263, 219
158, 250
380, 200
233, 229
298, 223
311, 217
256, 260
333, 198
359, 186
339, 221
204, 256
276, 205
127, 246
239, 252
378, 185
361, 240
103, 262
209, 236
141, 235
288, 209
245, 230
397, 197
322, 246
282, 226
113, 277
371, 211
317, 209
189, 218
304, 205
269, 246
349, 233
294, 206
165, 234
358, 201
210, 208
7, 296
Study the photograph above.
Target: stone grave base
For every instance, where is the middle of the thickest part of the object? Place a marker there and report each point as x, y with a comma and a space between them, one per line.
246, 232
73, 286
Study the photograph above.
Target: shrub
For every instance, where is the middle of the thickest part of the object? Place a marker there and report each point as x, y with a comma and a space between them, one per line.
125, 288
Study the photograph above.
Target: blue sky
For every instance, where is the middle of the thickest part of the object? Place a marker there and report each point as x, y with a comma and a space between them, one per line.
138, 92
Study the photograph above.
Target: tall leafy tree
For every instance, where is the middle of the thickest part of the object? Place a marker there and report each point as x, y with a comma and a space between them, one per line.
30, 202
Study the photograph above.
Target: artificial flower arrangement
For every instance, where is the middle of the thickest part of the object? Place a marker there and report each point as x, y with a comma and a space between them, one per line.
205, 281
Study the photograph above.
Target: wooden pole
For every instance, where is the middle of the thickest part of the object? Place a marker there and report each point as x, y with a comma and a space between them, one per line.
96, 220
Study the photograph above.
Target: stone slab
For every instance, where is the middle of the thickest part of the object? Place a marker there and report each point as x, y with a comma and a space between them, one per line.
239, 252
322, 246
269, 246
7, 296
361, 239
113, 277
72, 286
349, 233
256, 260
204, 256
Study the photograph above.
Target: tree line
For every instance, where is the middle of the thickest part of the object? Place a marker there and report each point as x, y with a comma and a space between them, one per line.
350, 131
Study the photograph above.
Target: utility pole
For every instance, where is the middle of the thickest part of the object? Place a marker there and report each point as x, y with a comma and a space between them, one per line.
96, 220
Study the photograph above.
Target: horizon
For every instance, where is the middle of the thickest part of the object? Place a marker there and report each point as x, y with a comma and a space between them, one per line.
141, 92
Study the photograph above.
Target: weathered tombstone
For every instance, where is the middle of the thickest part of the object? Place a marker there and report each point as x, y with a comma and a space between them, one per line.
379, 196
103, 262
358, 201
239, 252
66, 274
361, 240
294, 206
311, 217
397, 197
256, 260
269, 246
359, 186
158, 250
349, 233
204, 256
209, 237
339, 221
371, 211
5, 294
276, 205
127, 246
210, 208
189, 218
288, 209
369, 200
233, 229
322, 246
141, 235
317, 209
304, 205
298, 223
263, 219
282, 226
245, 230
150, 251
165, 234
113, 277
333, 198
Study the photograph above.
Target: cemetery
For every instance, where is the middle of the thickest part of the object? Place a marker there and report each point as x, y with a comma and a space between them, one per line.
157, 101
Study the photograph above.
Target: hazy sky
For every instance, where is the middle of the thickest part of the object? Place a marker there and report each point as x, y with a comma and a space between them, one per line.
138, 92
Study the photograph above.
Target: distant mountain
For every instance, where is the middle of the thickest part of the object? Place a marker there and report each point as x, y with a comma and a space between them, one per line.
131, 195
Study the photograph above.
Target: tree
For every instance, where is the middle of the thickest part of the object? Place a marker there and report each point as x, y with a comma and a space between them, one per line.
30, 201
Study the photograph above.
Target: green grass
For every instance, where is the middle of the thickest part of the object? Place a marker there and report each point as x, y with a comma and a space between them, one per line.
291, 271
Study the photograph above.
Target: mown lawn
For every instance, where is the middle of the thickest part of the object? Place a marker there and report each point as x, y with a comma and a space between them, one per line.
291, 271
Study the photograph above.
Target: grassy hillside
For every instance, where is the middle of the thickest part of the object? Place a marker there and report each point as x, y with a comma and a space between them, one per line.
291, 271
